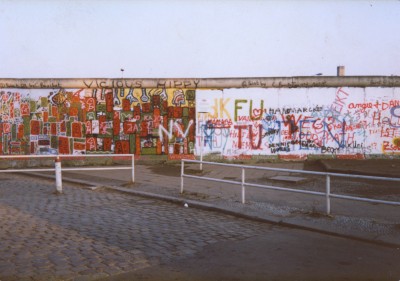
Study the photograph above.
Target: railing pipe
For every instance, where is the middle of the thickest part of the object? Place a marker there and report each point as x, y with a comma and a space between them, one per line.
298, 171
65, 156
327, 193
58, 167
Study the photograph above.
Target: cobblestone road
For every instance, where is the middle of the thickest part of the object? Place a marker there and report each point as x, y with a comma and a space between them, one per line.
84, 234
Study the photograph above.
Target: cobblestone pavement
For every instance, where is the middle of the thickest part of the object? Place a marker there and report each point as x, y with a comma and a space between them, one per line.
85, 235
363, 220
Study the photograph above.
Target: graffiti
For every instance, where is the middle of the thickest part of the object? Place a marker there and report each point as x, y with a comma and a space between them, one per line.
25, 85
340, 101
178, 98
219, 109
136, 83
253, 83
295, 110
144, 97
175, 129
78, 121
390, 147
285, 121
58, 98
233, 122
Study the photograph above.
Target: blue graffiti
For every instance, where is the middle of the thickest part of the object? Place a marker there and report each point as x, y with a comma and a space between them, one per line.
209, 134
393, 112
271, 127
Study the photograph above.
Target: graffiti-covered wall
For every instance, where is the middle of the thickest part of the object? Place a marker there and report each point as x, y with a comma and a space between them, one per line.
79, 121
298, 121
180, 122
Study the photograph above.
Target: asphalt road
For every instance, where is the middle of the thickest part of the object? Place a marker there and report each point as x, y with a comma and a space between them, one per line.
282, 254
104, 235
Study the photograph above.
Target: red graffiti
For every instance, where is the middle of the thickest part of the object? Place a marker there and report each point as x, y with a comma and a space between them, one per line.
79, 146
25, 109
107, 144
387, 146
54, 111
91, 144
126, 105
20, 131
178, 112
122, 147
35, 127
11, 110
53, 129
63, 145
109, 102
146, 108
90, 104
136, 112
45, 116
63, 127
130, 127
76, 129
116, 126
73, 111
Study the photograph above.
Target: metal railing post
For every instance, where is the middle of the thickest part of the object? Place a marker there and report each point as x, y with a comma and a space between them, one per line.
243, 188
133, 168
328, 192
58, 174
201, 153
182, 172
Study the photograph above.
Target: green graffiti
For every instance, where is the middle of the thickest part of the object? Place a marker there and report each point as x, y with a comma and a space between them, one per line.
237, 107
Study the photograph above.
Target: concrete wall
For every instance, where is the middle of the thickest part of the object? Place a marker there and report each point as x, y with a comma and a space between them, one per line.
240, 117
301, 121
79, 121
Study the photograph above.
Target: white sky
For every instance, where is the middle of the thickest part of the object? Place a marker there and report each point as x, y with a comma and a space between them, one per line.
193, 38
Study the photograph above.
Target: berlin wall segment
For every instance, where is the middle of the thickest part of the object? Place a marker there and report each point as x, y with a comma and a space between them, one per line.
108, 115
79, 121
328, 121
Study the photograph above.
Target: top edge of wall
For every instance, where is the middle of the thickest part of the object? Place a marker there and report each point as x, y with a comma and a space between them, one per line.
202, 83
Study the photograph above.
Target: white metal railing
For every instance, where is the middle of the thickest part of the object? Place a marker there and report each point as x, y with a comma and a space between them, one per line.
58, 169
327, 175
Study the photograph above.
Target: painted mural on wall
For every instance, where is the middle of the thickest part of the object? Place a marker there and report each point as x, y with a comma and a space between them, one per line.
349, 121
79, 121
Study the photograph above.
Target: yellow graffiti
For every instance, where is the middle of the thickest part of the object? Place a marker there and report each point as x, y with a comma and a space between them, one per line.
219, 109
396, 142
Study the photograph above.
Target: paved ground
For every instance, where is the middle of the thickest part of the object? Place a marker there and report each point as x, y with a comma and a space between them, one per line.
45, 236
101, 234
362, 220
281, 254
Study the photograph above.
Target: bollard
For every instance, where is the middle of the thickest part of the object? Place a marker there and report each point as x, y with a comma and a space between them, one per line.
328, 192
58, 175
243, 187
133, 168
182, 172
